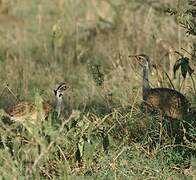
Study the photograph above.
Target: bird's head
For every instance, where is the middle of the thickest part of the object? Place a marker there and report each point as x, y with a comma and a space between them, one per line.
60, 89
142, 59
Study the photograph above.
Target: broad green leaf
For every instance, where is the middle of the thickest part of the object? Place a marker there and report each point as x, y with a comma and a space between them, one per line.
176, 66
105, 142
184, 70
183, 64
77, 155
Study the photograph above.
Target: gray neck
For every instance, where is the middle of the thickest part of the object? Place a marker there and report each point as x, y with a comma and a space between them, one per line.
57, 105
146, 85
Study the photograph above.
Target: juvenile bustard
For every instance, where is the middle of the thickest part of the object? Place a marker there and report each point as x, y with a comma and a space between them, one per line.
168, 101
26, 110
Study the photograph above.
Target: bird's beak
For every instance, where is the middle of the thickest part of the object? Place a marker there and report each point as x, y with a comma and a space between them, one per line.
134, 56
137, 58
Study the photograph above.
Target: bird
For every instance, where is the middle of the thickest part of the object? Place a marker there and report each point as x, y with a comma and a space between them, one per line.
28, 110
168, 101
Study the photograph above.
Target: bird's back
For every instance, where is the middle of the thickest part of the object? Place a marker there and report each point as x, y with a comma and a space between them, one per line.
170, 102
27, 110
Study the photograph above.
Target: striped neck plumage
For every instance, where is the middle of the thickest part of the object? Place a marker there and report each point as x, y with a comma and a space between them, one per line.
146, 85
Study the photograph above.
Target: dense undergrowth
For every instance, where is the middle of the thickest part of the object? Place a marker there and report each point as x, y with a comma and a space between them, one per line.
104, 132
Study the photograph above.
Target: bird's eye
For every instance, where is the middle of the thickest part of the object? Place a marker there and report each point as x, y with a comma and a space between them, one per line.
60, 95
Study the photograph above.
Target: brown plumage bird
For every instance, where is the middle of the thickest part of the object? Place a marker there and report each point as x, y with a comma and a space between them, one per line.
170, 102
26, 110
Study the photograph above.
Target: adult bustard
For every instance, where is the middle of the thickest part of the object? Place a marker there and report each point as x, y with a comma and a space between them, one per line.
26, 110
170, 102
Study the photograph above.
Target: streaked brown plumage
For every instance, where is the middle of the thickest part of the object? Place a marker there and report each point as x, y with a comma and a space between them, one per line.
26, 110
168, 101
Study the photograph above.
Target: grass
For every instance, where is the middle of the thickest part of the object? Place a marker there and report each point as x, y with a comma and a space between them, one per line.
104, 133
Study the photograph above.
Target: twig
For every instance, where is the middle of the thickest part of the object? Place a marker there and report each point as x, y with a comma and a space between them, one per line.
105, 117
187, 52
62, 152
46, 174
169, 80
10, 91
123, 149
174, 145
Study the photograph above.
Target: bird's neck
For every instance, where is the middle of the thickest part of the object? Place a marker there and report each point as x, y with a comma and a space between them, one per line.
146, 85
57, 105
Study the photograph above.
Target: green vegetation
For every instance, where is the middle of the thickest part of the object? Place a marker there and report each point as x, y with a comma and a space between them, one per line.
104, 134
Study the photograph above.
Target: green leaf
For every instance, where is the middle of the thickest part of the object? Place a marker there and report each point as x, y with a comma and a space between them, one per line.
184, 70
184, 66
106, 142
78, 156
176, 66
89, 151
